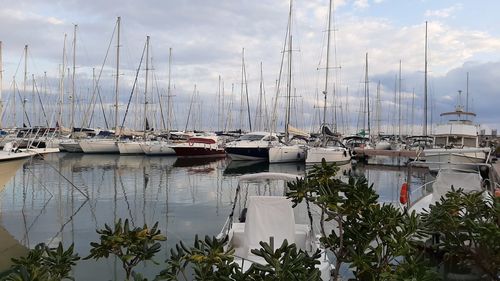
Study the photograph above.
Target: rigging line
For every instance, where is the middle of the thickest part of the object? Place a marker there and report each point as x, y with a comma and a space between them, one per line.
41, 103
65, 178
96, 87
24, 106
274, 117
133, 88
69, 220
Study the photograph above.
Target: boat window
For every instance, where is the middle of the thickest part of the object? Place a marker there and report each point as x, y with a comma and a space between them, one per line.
470, 142
251, 137
440, 141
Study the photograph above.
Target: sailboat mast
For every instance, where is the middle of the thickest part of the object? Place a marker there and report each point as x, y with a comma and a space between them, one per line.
367, 95
466, 95
61, 84
169, 97
289, 86
399, 101
425, 86
412, 111
378, 108
325, 92
1, 86
146, 88
25, 79
117, 72
73, 93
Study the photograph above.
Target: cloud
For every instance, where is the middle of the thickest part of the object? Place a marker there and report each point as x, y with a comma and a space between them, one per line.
207, 41
443, 13
361, 4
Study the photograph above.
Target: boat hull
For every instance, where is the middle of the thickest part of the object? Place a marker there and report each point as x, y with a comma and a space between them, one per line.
338, 155
193, 152
157, 148
248, 153
286, 154
130, 148
70, 147
453, 160
101, 146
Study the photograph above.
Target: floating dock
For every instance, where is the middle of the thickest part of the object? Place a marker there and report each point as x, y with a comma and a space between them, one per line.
361, 153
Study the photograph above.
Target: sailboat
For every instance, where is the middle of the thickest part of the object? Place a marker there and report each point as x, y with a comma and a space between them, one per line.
134, 146
161, 146
286, 151
331, 150
105, 142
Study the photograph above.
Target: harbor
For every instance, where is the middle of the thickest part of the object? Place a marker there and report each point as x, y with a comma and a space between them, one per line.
278, 140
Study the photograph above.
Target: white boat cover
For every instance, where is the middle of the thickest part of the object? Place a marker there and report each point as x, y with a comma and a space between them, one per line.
297, 132
447, 178
269, 216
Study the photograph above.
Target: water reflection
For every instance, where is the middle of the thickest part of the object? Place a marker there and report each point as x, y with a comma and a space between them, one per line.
65, 197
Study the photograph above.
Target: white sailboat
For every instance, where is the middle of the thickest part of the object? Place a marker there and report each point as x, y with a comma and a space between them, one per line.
107, 143
334, 152
286, 151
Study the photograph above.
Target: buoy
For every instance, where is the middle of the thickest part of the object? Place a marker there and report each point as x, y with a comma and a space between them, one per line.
403, 196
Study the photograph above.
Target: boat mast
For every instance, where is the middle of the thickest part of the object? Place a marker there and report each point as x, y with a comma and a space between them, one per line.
61, 84
289, 86
117, 72
399, 102
73, 93
367, 96
1, 84
325, 92
169, 97
146, 88
378, 108
412, 111
24, 84
466, 96
425, 86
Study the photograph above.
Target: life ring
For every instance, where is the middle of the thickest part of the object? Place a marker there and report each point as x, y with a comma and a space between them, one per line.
403, 196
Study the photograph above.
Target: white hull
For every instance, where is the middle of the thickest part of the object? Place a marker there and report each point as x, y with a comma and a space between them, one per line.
284, 154
70, 146
37, 151
99, 146
157, 148
338, 155
6, 156
130, 147
442, 159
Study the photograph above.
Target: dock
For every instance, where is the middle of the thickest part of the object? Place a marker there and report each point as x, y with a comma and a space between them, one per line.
361, 152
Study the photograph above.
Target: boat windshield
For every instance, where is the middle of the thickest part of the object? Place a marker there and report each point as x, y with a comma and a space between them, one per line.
251, 137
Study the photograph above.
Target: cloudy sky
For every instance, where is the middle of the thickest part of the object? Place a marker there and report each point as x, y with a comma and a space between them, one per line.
207, 38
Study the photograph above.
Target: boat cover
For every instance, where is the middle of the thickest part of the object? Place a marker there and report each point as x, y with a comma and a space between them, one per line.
269, 216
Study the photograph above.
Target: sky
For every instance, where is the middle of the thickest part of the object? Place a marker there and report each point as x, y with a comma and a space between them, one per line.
207, 38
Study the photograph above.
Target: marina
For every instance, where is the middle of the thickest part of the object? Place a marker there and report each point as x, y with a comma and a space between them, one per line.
45, 200
271, 140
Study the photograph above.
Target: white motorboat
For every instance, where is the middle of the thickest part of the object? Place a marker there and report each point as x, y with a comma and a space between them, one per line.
252, 146
270, 218
420, 198
455, 158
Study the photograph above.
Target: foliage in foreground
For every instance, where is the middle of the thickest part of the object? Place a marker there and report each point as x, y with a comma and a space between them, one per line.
130, 245
44, 263
467, 225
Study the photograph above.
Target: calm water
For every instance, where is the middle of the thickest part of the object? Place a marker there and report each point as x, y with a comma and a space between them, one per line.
46, 200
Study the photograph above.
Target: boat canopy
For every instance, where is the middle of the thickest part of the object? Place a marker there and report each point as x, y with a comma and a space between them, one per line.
269, 216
